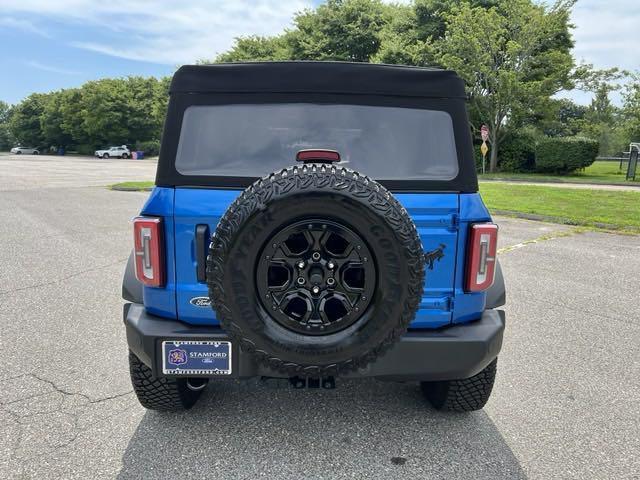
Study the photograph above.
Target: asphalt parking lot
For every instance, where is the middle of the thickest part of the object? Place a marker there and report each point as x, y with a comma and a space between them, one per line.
566, 402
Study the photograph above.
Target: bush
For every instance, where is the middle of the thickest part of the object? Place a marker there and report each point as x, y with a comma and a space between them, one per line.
517, 153
477, 155
564, 155
83, 149
150, 148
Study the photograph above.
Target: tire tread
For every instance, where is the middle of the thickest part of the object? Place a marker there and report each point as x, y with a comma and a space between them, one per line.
462, 395
159, 393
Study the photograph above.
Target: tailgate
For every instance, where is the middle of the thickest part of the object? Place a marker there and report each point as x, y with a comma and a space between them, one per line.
435, 216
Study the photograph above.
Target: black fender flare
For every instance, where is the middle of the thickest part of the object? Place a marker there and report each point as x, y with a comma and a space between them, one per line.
496, 294
131, 286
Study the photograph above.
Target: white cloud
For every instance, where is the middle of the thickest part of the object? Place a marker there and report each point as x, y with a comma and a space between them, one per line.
175, 32
606, 36
50, 68
606, 33
166, 31
23, 25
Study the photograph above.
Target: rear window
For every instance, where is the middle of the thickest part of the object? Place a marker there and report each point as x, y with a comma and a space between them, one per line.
247, 140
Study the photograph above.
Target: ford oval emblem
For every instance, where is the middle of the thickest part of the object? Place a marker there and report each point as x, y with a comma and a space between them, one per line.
200, 301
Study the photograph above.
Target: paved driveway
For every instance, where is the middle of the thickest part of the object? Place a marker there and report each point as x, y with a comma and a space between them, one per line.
31, 172
566, 402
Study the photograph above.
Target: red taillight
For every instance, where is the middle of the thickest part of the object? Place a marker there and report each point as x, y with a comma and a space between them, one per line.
481, 256
319, 155
149, 250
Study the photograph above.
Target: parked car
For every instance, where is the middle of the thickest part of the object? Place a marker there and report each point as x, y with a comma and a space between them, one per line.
118, 152
25, 150
314, 221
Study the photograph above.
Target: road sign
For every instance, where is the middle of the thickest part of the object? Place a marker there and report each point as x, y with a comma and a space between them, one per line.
484, 133
484, 149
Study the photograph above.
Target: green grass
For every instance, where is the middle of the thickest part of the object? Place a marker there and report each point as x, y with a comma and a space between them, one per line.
599, 172
608, 209
132, 186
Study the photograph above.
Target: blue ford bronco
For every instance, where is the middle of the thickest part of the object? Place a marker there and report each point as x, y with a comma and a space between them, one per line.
314, 221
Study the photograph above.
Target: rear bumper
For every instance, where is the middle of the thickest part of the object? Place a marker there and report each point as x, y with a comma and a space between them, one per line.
454, 352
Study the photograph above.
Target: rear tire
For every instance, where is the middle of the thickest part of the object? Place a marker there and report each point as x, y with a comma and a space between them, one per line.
124, 155
161, 393
461, 395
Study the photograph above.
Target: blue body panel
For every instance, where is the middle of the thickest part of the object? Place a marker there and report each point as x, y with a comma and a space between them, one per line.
441, 219
435, 216
468, 306
162, 301
195, 207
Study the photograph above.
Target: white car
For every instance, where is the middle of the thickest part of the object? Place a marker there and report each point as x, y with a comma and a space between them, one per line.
25, 150
119, 152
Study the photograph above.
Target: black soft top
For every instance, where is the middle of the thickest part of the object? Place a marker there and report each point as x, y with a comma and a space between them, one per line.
320, 83
318, 77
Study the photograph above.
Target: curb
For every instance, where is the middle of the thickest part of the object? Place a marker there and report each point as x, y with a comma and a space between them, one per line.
130, 189
551, 183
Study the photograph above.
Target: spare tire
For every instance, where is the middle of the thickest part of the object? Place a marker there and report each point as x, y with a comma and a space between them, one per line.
315, 270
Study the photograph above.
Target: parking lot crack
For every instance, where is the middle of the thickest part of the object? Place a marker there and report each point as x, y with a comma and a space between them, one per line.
82, 395
112, 397
60, 390
62, 404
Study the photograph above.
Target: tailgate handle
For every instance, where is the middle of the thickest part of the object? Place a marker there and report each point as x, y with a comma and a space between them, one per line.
202, 237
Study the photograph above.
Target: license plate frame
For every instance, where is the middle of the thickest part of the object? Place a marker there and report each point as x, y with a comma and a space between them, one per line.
197, 357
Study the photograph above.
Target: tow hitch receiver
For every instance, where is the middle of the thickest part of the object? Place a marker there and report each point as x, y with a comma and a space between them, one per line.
328, 383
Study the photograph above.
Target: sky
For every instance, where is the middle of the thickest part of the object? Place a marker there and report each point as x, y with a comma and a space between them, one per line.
47, 45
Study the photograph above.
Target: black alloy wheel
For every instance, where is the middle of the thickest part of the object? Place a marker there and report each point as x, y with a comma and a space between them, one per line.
316, 276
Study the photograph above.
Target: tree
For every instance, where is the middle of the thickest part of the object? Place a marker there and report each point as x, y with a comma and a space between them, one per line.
338, 30
600, 122
121, 111
511, 56
72, 114
413, 28
5, 135
160, 105
630, 114
142, 96
25, 120
99, 113
348, 30
255, 48
51, 121
563, 118
105, 112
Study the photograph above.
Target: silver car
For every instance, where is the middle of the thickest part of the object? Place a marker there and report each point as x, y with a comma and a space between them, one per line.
119, 152
25, 150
